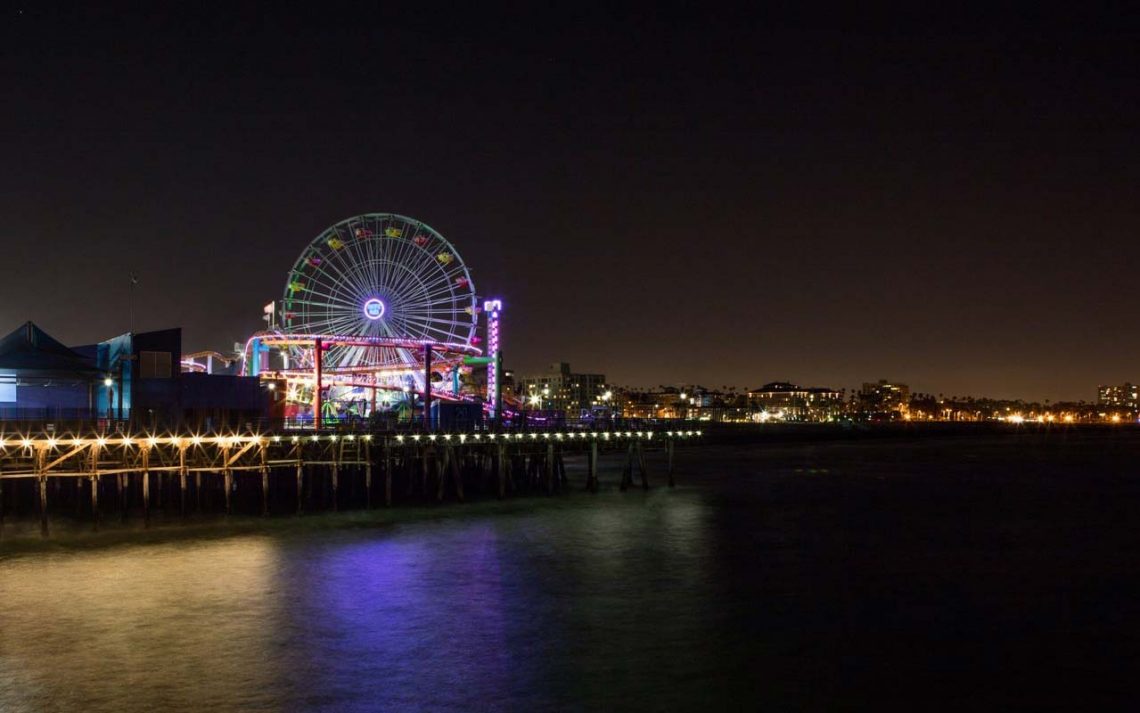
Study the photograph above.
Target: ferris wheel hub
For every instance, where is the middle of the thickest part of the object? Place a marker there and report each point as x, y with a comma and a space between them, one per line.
374, 309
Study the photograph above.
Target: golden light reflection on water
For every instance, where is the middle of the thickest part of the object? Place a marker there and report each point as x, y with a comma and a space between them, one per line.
152, 619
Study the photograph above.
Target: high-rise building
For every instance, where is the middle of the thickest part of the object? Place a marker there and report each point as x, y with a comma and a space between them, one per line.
1126, 395
560, 389
884, 397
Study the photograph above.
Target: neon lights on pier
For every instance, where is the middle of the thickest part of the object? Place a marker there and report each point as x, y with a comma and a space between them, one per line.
493, 308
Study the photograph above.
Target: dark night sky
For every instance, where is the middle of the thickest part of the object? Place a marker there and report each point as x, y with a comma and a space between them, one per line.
690, 195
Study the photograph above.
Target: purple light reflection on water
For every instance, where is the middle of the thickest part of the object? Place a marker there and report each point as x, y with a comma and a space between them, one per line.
422, 618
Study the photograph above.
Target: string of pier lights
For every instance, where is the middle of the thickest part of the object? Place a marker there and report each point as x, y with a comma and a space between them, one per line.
145, 441
570, 436
150, 441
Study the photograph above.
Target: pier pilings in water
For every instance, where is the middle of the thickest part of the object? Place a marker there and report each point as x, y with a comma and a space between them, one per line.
250, 473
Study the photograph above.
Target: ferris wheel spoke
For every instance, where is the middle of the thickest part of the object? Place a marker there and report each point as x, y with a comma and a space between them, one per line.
326, 280
438, 327
439, 293
329, 289
439, 288
341, 325
313, 284
354, 272
441, 333
405, 280
345, 267
376, 248
421, 262
399, 325
414, 288
386, 250
431, 305
305, 296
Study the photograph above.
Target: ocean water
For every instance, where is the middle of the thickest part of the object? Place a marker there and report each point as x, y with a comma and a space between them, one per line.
954, 572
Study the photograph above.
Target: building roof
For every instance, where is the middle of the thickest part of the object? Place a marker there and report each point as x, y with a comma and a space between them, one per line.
787, 387
779, 386
31, 349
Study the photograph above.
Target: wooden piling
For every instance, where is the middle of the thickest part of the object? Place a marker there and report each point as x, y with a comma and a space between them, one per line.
560, 468
423, 473
441, 468
182, 473
264, 468
549, 468
367, 477
120, 493
501, 468
387, 476
627, 468
146, 486
43, 506
592, 468
38, 456
95, 501
455, 473
300, 485
641, 466
94, 478
227, 479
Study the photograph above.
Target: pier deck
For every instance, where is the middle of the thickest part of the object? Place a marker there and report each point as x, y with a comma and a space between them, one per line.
273, 473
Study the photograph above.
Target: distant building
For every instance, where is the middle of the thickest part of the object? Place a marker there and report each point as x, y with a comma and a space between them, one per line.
790, 402
1126, 395
560, 389
884, 397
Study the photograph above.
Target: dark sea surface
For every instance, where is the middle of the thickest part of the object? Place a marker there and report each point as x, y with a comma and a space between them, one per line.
969, 573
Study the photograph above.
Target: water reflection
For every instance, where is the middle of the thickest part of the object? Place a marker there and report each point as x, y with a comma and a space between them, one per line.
137, 627
580, 602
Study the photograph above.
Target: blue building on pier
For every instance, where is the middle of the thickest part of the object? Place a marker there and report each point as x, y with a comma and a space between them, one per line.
41, 379
134, 378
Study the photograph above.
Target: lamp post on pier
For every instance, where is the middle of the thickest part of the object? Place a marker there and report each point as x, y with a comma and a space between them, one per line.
110, 384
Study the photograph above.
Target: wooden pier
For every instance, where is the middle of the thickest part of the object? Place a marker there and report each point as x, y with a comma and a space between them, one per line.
98, 476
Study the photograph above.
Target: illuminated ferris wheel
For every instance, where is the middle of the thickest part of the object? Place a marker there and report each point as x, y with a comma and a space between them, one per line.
380, 275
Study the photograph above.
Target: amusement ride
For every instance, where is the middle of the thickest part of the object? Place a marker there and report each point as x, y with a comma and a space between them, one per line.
379, 318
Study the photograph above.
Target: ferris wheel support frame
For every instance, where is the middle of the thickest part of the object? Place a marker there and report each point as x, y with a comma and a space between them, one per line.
260, 343
318, 348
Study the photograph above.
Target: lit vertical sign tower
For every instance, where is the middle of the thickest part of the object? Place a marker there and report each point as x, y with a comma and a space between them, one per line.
493, 308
